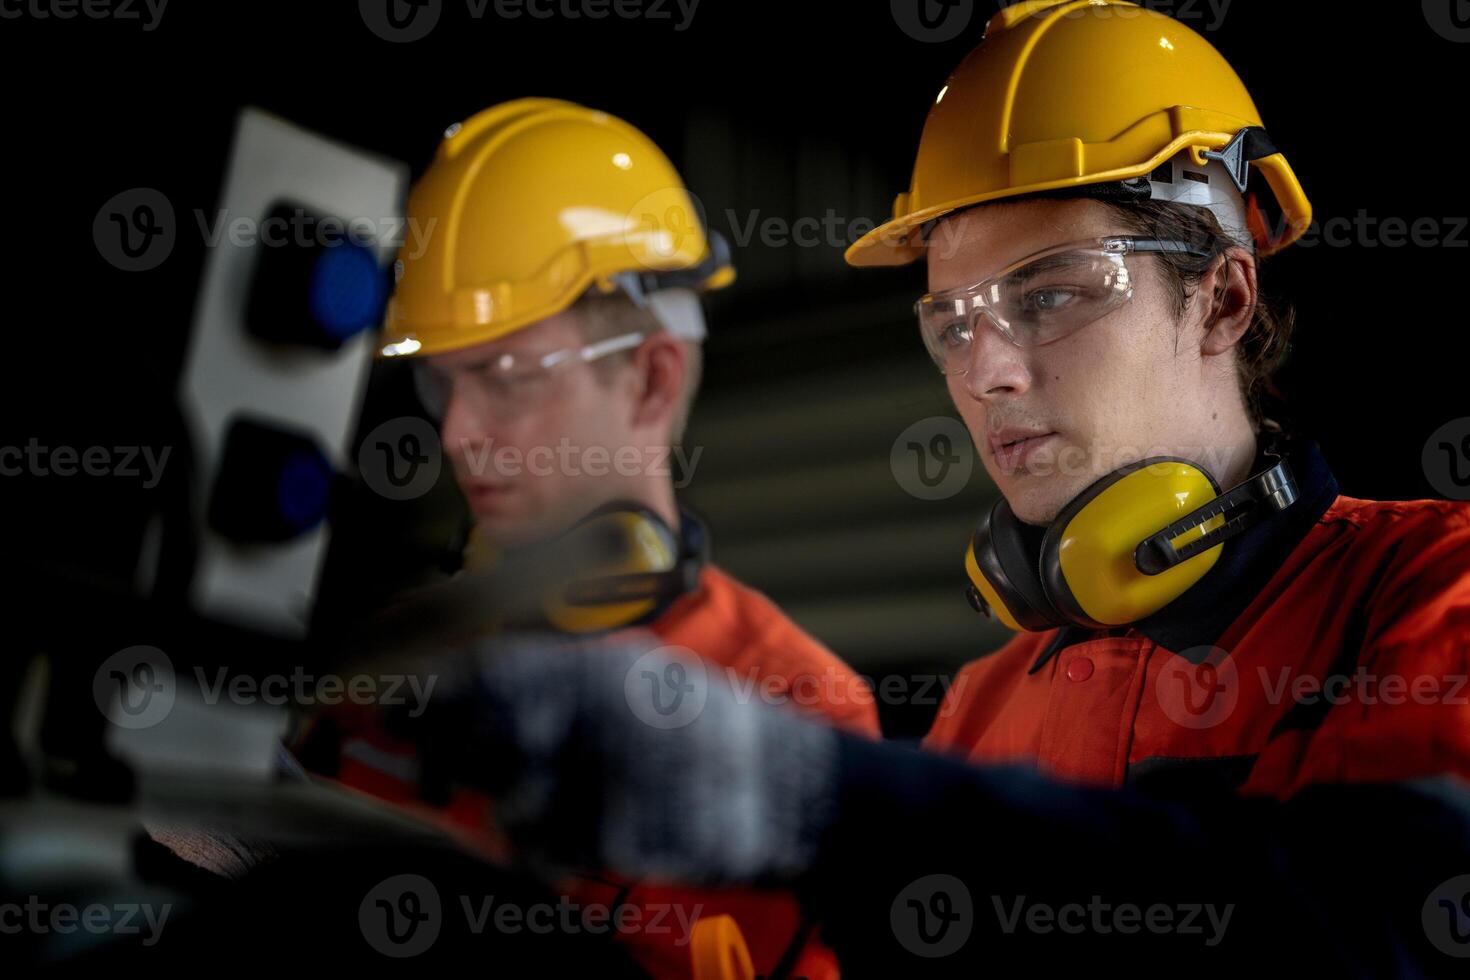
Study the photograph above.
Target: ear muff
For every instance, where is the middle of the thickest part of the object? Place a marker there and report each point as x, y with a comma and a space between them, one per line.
1124, 548
1005, 577
1083, 568
1089, 561
626, 565
631, 569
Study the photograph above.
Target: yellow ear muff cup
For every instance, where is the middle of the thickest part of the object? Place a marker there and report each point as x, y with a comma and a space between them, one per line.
718, 950
478, 552
618, 543
1087, 557
1003, 567
988, 593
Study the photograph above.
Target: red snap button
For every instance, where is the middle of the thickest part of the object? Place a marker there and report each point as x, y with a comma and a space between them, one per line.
1079, 669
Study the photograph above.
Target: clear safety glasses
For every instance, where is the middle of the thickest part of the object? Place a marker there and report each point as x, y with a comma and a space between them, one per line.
508, 385
1039, 299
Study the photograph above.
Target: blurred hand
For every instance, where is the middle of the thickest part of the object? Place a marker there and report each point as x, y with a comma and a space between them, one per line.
621, 755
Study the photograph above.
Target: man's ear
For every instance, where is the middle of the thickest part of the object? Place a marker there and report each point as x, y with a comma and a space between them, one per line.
1231, 290
662, 366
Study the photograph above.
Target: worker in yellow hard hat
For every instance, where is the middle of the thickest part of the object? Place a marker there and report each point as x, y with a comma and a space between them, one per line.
1093, 195
564, 248
554, 325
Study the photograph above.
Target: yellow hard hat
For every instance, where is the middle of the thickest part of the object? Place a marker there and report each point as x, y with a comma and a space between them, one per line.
1069, 93
526, 206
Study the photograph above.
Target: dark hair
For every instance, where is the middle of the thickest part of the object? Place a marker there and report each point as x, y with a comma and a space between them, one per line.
1267, 341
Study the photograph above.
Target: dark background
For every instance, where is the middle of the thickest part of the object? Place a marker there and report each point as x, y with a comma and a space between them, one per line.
783, 110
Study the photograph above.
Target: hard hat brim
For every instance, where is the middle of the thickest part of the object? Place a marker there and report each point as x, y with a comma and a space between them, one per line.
894, 243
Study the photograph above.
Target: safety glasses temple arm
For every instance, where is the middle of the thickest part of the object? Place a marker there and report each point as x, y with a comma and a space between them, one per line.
594, 352
1171, 246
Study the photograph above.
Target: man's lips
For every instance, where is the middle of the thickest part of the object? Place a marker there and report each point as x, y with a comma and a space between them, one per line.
1000, 438
481, 493
1013, 448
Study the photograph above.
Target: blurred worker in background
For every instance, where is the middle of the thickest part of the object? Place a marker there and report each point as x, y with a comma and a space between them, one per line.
554, 325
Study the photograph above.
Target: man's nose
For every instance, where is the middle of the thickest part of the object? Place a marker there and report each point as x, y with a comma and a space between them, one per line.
996, 366
465, 428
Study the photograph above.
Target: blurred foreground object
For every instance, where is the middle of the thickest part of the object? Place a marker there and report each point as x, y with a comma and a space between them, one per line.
633, 760
282, 342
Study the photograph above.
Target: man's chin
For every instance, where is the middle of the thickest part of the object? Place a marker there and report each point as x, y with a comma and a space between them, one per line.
507, 527
1038, 492
1039, 500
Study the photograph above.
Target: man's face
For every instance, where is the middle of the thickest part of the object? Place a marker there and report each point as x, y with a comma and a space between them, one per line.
1127, 386
534, 455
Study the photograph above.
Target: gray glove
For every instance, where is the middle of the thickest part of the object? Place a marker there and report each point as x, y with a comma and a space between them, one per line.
635, 758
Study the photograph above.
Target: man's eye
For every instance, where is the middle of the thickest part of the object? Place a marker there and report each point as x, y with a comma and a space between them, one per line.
519, 382
1050, 299
955, 334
